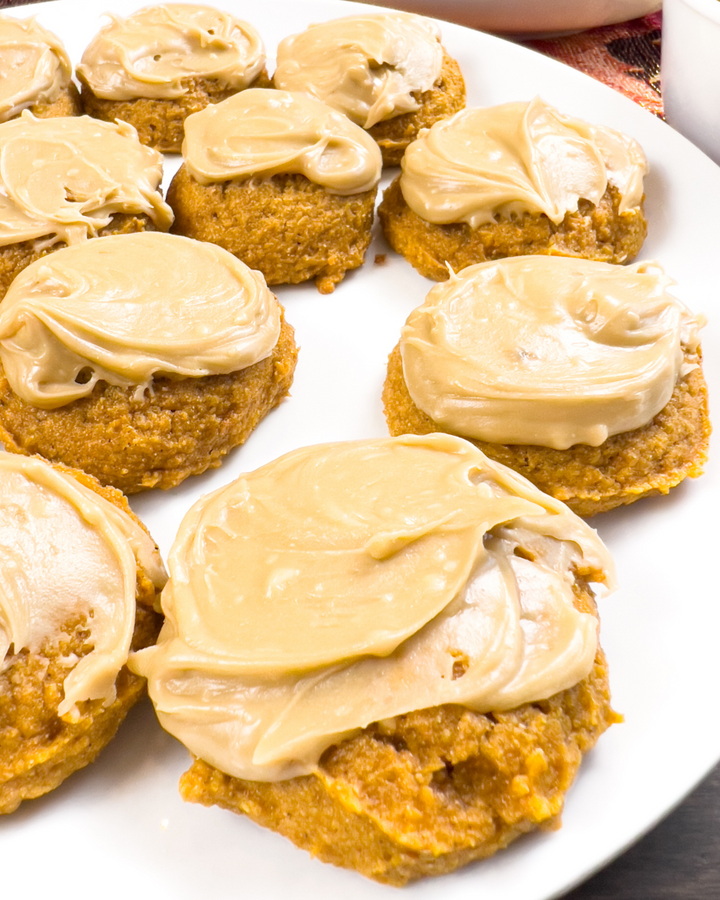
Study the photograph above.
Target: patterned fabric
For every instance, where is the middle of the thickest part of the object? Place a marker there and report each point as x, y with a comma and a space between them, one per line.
625, 57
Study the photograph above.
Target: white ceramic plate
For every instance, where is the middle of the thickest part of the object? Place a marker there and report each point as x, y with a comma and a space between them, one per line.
530, 18
119, 828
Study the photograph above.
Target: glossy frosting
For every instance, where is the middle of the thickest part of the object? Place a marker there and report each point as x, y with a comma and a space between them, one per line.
154, 52
267, 132
66, 553
128, 307
34, 66
481, 165
369, 67
63, 179
347, 583
543, 350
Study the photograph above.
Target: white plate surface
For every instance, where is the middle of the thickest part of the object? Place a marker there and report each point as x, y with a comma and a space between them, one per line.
119, 828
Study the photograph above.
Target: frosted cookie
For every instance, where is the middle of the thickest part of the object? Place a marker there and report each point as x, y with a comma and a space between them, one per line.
141, 359
389, 73
401, 643
283, 182
64, 180
582, 376
159, 65
35, 71
79, 580
511, 180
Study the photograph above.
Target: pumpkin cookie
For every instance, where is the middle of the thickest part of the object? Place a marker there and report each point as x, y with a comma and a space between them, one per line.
155, 357
163, 63
514, 180
362, 615
35, 72
281, 181
81, 600
388, 73
584, 377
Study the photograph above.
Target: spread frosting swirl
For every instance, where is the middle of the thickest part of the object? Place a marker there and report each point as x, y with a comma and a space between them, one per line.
542, 350
369, 67
128, 307
377, 577
481, 165
63, 179
268, 132
156, 51
67, 553
34, 66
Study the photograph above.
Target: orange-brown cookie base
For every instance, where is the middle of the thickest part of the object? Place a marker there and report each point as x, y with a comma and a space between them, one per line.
427, 792
66, 104
161, 123
38, 750
285, 226
180, 428
16, 257
650, 460
593, 232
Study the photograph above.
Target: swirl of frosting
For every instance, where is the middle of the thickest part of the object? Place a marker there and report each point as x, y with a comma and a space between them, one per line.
484, 164
65, 553
128, 307
348, 583
553, 351
63, 179
34, 66
267, 132
154, 52
368, 67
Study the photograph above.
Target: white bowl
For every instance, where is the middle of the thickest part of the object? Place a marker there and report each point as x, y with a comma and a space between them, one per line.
690, 71
529, 17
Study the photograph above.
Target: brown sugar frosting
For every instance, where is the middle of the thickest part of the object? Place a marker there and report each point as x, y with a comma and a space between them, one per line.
153, 52
269, 132
368, 67
349, 583
67, 552
34, 66
63, 179
552, 351
196, 311
483, 164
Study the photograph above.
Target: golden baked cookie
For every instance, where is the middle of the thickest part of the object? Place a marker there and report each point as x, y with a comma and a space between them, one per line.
36, 70
400, 638
67, 104
285, 226
163, 63
145, 431
161, 123
626, 467
585, 378
592, 232
512, 180
446, 97
41, 743
425, 793
97, 180
283, 182
16, 257
402, 78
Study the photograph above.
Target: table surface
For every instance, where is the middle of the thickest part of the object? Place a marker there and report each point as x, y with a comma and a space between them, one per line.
680, 858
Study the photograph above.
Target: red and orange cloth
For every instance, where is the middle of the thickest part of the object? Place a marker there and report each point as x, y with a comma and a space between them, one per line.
626, 57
